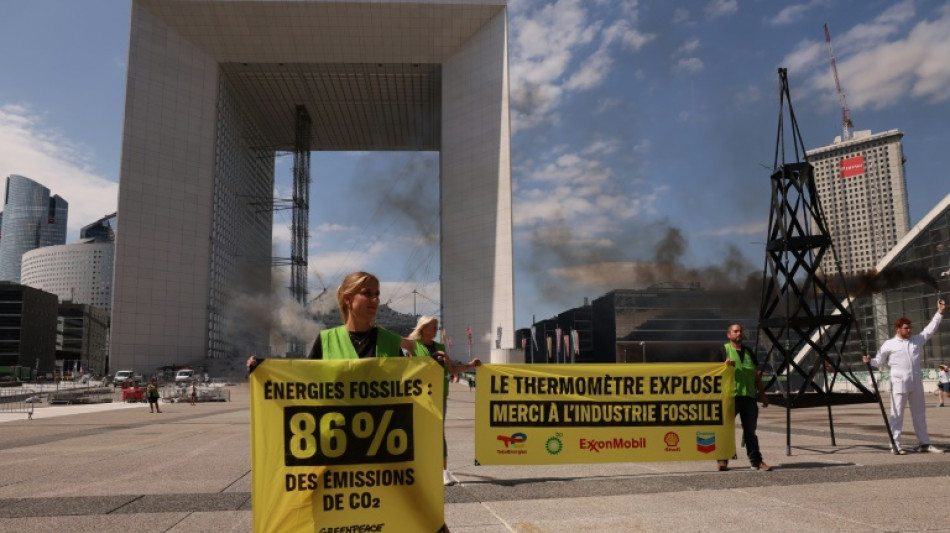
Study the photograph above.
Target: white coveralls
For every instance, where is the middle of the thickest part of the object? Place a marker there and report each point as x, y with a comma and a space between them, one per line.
903, 356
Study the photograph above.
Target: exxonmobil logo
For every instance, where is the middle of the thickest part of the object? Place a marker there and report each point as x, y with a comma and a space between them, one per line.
616, 443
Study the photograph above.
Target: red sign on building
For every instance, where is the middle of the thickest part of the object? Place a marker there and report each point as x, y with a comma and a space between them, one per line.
853, 166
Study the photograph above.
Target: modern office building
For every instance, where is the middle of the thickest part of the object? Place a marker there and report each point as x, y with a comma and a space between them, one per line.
910, 279
80, 272
214, 90
863, 195
666, 323
102, 230
82, 339
31, 219
27, 327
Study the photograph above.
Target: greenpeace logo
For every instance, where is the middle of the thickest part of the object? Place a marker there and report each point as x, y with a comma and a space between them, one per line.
617, 443
356, 528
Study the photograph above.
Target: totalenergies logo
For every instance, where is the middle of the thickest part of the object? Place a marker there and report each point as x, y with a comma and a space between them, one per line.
514, 444
514, 441
672, 440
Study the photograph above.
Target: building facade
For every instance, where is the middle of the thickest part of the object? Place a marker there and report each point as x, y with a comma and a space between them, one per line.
910, 279
80, 272
208, 109
27, 327
31, 219
82, 339
863, 196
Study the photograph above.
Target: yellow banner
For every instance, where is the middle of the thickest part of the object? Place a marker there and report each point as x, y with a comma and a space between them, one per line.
560, 414
343, 444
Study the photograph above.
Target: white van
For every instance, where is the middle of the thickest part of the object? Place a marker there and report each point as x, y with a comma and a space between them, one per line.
185, 375
125, 375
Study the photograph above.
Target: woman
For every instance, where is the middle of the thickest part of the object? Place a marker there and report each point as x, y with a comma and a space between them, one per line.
424, 335
359, 336
943, 384
151, 393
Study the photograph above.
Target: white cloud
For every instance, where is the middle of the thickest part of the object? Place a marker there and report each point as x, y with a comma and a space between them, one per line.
688, 48
793, 13
752, 228
29, 148
680, 15
689, 65
716, 8
880, 63
549, 54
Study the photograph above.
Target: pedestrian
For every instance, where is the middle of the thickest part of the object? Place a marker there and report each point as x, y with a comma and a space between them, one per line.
748, 382
194, 392
902, 354
943, 384
426, 329
151, 393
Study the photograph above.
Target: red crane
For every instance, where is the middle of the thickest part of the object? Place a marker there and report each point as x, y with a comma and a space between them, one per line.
846, 123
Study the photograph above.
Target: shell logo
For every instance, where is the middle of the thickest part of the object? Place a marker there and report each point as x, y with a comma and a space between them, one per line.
671, 439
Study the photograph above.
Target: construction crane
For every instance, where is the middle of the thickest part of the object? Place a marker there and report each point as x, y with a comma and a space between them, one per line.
846, 123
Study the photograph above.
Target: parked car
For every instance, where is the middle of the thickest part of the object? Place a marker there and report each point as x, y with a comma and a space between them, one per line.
133, 394
184, 376
124, 378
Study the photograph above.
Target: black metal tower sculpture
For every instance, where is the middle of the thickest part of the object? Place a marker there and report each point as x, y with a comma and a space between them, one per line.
806, 326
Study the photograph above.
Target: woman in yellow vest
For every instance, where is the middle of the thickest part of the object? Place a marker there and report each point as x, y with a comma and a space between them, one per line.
426, 329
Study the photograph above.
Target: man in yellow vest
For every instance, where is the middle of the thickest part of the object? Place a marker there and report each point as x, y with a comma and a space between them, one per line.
748, 382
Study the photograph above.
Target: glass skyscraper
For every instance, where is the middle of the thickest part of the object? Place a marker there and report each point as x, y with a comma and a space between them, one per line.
31, 219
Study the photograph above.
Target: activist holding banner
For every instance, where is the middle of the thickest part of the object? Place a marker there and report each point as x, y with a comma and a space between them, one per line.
748, 383
426, 329
359, 337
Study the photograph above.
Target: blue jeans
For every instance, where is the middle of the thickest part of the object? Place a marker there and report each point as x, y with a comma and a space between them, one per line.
748, 411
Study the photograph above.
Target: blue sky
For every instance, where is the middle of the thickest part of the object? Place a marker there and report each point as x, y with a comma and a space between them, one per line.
642, 131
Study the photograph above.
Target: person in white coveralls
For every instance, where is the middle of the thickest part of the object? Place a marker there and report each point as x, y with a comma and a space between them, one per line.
902, 354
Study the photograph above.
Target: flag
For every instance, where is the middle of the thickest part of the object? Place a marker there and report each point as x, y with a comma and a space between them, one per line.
557, 341
524, 344
567, 347
534, 338
575, 337
468, 332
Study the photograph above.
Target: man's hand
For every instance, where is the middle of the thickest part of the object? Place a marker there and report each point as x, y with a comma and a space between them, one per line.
941, 306
866, 358
730, 362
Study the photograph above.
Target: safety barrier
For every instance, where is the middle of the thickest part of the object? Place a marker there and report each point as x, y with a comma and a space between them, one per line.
82, 395
18, 400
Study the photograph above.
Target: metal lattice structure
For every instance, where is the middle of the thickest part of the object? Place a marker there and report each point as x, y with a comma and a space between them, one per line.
806, 327
300, 232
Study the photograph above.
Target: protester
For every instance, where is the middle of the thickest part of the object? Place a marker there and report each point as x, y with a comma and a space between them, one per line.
426, 329
151, 394
943, 384
359, 336
194, 392
902, 354
748, 381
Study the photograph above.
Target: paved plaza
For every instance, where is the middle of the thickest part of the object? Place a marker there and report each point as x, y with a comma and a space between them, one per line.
117, 467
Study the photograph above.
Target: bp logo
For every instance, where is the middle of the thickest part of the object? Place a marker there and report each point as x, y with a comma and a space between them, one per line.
554, 445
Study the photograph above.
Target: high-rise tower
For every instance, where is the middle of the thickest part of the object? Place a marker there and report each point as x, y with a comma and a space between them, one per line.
31, 219
863, 195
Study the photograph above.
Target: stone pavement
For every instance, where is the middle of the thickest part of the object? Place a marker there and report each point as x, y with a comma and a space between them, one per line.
116, 467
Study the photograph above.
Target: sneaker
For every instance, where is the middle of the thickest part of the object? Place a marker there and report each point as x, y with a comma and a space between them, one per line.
447, 480
898, 450
723, 465
927, 448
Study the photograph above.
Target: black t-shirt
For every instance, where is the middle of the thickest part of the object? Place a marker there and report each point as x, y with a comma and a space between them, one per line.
364, 342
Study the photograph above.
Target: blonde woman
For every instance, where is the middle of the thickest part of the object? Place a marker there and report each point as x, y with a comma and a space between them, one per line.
426, 329
359, 336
